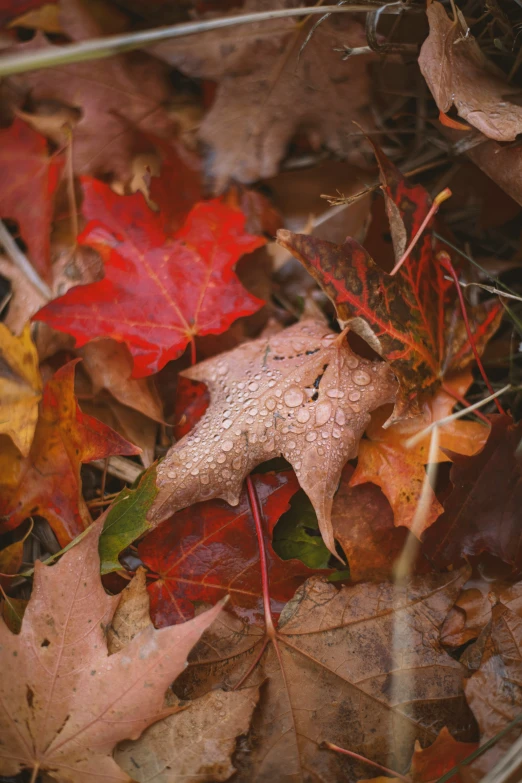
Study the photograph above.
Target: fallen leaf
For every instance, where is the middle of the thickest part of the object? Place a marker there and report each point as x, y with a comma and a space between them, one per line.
385, 458
20, 387
31, 176
67, 702
147, 299
129, 423
197, 742
109, 366
459, 74
482, 512
210, 550
402, 317
9, 9
472, 610
494, 692
301, 394
11, 557
126, 520
47, 482
363, 525
195, 745
359, 666
431, 763
46, 18
116, 100
297, 534
268, 93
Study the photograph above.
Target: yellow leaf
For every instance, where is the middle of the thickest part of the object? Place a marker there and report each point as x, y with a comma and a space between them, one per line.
20, 387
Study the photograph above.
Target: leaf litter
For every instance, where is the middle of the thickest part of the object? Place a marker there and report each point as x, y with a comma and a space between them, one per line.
326, 478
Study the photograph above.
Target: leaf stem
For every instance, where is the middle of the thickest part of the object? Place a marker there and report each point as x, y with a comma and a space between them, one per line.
357, 756
445, 262
97, 48
21, 261
437, 201
256, 513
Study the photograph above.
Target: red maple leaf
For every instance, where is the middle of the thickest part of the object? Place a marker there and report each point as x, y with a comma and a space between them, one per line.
403, 317
47, 482
30, 178
159, 291
210, 550
192, 400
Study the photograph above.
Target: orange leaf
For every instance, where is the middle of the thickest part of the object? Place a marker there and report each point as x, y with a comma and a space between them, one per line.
47, 483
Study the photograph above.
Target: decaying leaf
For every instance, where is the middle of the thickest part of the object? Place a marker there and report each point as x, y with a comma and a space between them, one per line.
67, 702
362, 667
472, 610
110, 103
194, 745
196, 742
210, 550
301, 394
494, 691
30, 177
385, 458
267, 94
363, 525
146, 298
20, 387
402, 317
47, 482
482, 513
459, 74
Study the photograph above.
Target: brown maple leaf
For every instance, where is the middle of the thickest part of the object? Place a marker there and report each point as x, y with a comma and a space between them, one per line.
301, 394
267, 92
115, 100
67, 702
360, 666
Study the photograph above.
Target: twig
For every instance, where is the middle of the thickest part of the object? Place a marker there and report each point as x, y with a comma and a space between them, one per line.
458, 415
21, 261
97, 48
119, 467
331, 746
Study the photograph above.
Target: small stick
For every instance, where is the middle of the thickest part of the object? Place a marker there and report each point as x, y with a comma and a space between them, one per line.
21, 261
357, 756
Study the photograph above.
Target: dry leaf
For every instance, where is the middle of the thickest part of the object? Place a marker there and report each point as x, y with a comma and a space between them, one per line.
119, 98
20, 387
67, 702
494, 692
459, 74
132, 614
109, 365
472, 610
361, 667
196, 744
301, 394
267, 93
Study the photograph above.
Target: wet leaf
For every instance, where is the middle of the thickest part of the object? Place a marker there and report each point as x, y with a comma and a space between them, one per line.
20, 387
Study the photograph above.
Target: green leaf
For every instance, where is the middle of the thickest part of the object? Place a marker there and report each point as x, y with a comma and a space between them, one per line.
126, 520
297, 534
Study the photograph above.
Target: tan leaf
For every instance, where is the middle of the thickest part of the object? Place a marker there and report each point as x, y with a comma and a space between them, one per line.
132, 614
196, 744
494, 692
459, 74
109, 365
267, 93
472, 610
118, 98
20, 387
359, 666
67, 702
301, 394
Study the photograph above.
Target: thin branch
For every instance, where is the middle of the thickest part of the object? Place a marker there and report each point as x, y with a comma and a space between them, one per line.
331, 746
21, 261
458, 415
97, 48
